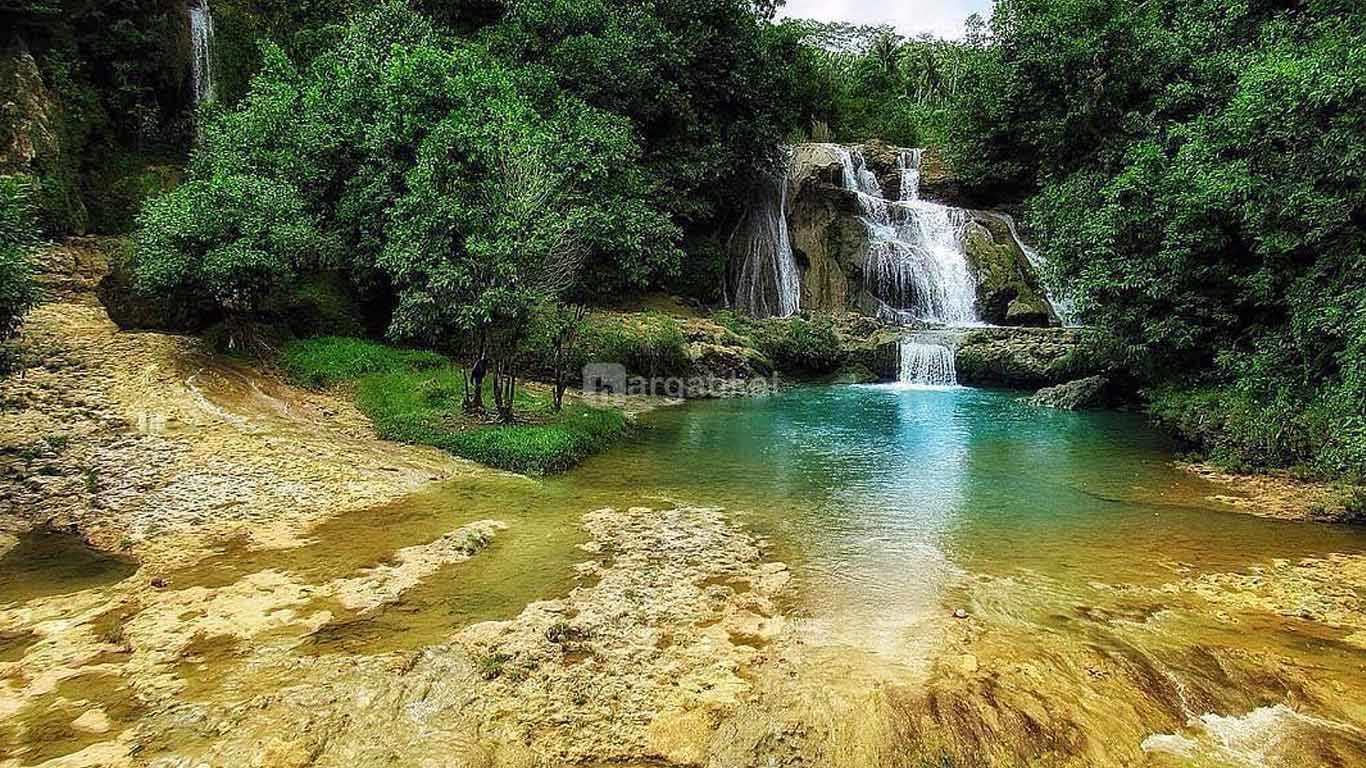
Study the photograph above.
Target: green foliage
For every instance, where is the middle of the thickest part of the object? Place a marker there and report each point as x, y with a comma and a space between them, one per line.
865, 83
802, 345
18, 235
417, 397
236, 243
649, 344
1196, 174
425, 407
333, 360
462, 189
706, 85
539, 449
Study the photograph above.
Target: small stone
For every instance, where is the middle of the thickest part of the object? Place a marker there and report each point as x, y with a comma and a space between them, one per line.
960, 614
93, 721
158, 582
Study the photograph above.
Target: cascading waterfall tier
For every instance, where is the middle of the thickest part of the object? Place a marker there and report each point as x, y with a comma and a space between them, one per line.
201, 62
1063, 306
916, 263
921, 362
767, 283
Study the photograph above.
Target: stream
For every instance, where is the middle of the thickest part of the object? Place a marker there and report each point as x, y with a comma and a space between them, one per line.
1023, 581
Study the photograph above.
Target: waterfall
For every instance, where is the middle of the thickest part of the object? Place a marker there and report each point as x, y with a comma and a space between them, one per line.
767, 283
916, 263
201, 62
908, 163
1063, 306
920, 363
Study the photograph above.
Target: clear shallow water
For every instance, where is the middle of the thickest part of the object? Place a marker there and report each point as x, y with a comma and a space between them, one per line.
876, 488
883, 499
1060, 534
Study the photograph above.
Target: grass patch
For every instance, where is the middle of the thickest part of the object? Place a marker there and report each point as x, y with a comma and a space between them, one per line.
418, 398
333, 360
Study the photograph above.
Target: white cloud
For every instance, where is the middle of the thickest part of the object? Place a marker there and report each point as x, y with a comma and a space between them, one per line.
910, 17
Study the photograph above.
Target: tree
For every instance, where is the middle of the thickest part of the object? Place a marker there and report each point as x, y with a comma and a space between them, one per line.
705, 84
508, 207
233, 243
1194, 174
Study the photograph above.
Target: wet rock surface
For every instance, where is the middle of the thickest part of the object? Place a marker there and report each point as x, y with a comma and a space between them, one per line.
136, 438
1076, 395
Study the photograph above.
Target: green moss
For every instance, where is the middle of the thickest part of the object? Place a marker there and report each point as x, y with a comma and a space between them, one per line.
800, 345
649, 344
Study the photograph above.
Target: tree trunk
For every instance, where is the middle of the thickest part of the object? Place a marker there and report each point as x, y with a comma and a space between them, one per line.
475, 401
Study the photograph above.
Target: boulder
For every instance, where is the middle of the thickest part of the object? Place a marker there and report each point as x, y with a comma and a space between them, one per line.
1007, 288
828, 240
1081, 394
1026, 358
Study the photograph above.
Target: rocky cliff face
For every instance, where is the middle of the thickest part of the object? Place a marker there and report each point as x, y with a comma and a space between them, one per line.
31, 140
829, 233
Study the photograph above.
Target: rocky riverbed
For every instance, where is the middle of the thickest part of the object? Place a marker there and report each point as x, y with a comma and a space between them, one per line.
145, 443
269, 536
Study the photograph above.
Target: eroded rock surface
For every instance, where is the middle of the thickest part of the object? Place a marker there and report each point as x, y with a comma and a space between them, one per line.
136, 439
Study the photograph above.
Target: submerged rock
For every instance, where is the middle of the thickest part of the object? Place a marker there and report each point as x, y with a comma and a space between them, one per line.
1090, 392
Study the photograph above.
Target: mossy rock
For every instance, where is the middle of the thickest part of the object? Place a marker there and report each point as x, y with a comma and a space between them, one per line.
1026, 358
1006, 293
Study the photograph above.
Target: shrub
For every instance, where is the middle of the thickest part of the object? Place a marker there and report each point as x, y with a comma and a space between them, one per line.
18, 235
650, 344
236, 242
794, 344
579, 433
1242, 430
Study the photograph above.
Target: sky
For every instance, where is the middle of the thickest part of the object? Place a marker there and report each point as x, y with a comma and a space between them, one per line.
910, 17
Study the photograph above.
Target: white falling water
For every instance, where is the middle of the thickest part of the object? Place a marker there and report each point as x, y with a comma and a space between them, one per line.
768, 283
1063, 306
201, 62
926, 364
916, 262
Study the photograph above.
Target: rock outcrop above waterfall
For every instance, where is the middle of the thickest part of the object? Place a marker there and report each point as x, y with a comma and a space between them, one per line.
828, 240
1007, 289
829, 233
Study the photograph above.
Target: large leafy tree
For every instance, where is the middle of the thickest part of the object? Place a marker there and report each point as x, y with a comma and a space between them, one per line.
706, 85
1197, 174
460, 188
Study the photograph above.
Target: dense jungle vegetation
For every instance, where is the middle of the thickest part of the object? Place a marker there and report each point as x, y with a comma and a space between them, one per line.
474, 172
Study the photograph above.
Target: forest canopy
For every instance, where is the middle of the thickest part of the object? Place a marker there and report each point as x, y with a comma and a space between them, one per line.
1194, 174
1190, 169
